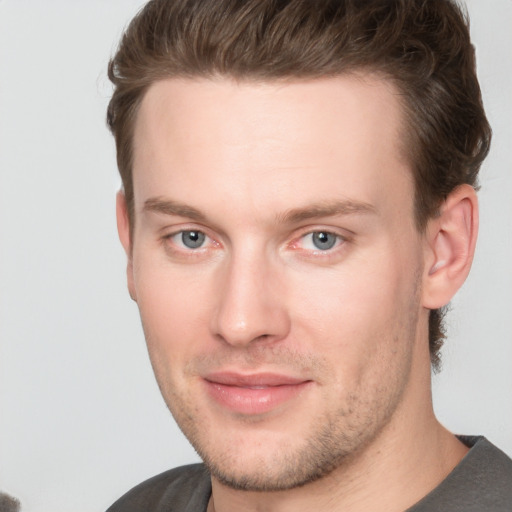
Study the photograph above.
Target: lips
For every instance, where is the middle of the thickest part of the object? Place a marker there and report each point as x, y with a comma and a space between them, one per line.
255, 393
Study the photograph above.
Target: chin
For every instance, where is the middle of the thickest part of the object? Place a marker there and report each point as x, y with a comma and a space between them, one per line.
277, 468
290, 478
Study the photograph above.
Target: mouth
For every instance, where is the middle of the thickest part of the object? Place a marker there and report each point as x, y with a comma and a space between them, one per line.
255, 393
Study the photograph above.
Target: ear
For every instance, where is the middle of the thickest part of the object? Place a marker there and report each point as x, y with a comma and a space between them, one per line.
450, 246
123, 229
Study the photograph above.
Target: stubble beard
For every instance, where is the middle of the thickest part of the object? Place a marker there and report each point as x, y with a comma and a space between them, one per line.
334, 440
325, 451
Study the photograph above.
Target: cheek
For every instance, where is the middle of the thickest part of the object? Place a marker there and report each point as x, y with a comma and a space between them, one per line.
356, 311
347, 300
173, 308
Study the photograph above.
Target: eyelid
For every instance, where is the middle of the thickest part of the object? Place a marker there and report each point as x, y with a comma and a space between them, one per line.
341, 239
210, 240
177, 239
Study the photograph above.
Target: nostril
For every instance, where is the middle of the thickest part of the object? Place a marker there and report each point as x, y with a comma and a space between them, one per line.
262, 337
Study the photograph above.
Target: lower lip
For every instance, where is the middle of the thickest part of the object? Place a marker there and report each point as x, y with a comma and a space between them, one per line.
254, 400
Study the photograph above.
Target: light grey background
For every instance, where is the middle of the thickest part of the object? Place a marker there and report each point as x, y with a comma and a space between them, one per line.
81, 418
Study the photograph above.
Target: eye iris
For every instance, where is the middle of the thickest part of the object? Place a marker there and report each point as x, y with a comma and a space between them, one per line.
192, 239
323, 240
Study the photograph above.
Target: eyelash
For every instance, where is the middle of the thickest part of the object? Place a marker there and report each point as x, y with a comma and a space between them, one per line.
179, 248
317, 252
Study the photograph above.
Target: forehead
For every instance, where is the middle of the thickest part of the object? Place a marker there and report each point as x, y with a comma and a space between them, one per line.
287, 140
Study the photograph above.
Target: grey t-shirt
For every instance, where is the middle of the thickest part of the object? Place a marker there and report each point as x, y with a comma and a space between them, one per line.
481, 482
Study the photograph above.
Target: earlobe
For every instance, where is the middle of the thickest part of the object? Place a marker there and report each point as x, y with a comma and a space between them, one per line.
450, 246
123, 229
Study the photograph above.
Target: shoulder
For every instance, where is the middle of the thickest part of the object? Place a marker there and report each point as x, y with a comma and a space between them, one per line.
182, 489
481, 481
486, 467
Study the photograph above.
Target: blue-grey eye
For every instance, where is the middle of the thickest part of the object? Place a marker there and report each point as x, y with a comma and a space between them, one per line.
193, 239
323, 240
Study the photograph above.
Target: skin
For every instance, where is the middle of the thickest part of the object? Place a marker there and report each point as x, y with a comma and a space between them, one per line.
259, 169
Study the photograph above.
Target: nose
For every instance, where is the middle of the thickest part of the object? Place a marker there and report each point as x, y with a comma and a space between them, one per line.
251, 302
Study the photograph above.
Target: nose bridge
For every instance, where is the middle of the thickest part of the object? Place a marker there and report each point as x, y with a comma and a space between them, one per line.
251, 306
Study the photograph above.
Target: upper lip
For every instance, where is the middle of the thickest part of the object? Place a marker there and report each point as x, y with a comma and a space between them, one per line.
254, 379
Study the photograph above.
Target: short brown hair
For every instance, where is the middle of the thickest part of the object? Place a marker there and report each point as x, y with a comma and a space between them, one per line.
422, 46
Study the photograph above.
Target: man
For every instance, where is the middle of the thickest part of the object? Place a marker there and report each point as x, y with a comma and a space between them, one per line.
298, 206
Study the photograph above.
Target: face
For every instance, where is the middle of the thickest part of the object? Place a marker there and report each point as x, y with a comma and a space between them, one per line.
277, 270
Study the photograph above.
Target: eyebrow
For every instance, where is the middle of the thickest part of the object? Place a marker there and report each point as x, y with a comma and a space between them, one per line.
170, 207
293, 216
326, 209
